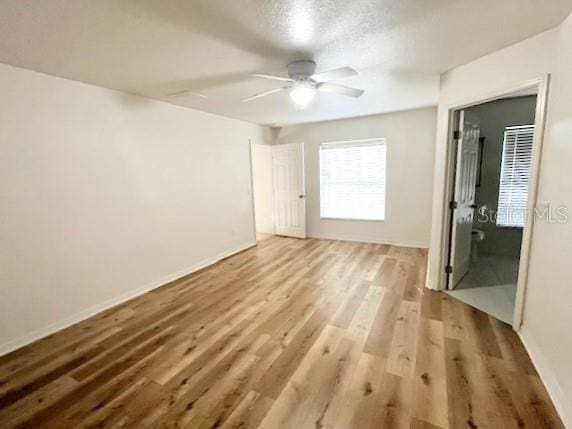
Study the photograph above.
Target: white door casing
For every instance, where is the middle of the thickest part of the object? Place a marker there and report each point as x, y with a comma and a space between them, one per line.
289, 190
464, 196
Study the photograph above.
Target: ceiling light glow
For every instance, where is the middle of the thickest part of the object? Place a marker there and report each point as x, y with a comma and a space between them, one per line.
302, 94
300, 21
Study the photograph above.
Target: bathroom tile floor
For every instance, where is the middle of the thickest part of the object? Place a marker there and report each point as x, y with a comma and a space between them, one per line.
490, 286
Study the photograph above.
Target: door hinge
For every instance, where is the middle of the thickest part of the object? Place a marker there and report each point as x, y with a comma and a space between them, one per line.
449, 269
457, 135
453, 205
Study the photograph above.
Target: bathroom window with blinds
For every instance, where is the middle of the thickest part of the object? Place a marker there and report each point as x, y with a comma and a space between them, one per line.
352, 180
515, 175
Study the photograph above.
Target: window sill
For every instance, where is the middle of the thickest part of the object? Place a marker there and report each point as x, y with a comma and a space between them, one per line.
351, 219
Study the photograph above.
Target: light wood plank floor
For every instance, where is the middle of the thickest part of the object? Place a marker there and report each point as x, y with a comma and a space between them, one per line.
290, 334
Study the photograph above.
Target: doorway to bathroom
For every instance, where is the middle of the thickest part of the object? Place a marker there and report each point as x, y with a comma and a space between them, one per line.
493, 164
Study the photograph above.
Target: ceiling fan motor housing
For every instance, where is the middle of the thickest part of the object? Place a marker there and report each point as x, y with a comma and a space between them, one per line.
301, 70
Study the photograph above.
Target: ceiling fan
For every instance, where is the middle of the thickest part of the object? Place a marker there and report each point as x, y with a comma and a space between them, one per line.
304, 83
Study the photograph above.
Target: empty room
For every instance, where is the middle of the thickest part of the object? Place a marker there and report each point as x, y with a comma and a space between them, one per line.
286, 214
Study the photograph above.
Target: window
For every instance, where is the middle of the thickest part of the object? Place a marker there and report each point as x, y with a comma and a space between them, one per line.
515, 175
352, 180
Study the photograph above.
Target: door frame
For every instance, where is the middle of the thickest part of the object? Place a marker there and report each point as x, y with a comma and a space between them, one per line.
444, 244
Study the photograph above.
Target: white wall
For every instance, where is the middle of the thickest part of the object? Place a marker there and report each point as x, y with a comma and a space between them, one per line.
410, 146
104, 195
547, 314
262, 185
548, 303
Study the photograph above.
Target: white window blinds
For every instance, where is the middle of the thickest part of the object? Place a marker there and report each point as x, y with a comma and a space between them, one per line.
515, 175
352, 180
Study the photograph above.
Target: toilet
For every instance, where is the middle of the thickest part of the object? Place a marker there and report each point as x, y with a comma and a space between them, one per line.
477, 236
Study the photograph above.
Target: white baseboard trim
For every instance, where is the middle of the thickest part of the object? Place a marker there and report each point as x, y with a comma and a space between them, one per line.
98, 308
562, 403
416, 245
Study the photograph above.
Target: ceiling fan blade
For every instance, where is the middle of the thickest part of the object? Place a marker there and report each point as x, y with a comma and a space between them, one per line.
340, 89
186, 92
272, 77
265, 93
340, 73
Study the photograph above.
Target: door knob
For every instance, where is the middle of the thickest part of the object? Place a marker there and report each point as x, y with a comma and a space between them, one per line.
300, 196
473, 206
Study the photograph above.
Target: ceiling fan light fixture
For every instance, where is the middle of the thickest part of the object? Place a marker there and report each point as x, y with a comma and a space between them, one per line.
302, 94
304, 83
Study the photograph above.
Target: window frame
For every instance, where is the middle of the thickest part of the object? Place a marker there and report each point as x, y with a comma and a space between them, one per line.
351, 143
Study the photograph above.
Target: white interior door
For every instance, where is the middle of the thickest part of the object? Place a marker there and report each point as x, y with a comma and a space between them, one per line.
289, 190
464, 196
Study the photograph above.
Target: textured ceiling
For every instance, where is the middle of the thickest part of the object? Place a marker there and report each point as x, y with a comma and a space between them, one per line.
157, 47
